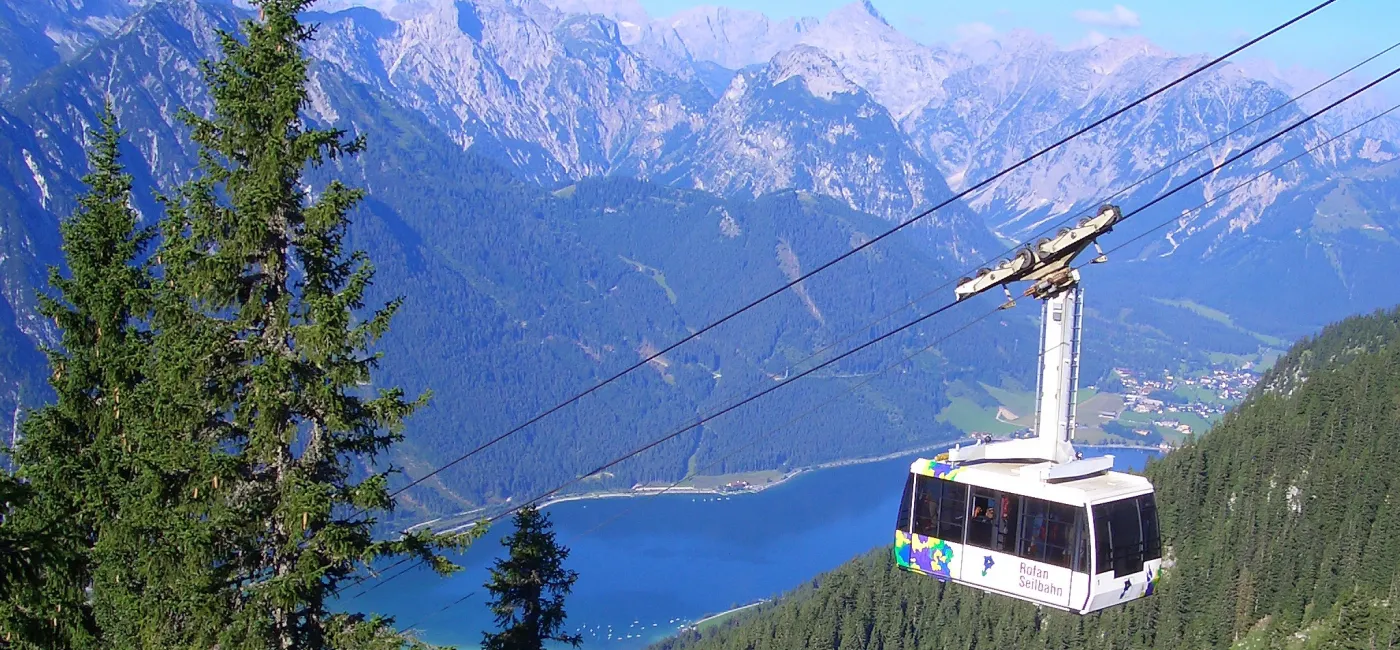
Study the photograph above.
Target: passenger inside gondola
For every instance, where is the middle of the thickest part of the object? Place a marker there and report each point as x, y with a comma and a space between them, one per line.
926, 513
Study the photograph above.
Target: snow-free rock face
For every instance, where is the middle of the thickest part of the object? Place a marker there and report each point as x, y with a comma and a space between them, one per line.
739, 105
799, 122
1006, 108
37, 34
846, 106
561, 100
969, 112
899, 73
569, 95
1029, 95
734, 38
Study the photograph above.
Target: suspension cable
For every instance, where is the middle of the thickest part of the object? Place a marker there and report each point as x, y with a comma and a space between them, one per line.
794, 282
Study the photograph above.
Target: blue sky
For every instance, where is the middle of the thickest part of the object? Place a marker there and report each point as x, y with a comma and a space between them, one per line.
1330, 40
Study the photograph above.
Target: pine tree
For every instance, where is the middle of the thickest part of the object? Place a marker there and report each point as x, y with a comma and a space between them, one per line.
71, 454
264, 359
529, 587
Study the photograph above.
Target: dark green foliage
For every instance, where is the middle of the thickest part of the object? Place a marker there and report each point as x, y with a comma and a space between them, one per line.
534, 290
528, 588
262, 353
208, 476
72, 454
1334, 345
1281, 530
19, 553
516, 298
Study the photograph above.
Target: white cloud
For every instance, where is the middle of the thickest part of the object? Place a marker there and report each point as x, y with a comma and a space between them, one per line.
974, 31
1119, 17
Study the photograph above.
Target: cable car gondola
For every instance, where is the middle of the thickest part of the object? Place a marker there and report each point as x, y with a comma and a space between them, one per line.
1081, 545
1030, 518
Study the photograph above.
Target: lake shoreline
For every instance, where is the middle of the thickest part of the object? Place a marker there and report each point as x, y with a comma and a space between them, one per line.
656, 490
674, 565
650, 490
727, 612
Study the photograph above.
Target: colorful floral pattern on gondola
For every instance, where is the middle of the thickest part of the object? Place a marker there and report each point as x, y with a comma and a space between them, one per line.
939, 470
1152, 581
928, 555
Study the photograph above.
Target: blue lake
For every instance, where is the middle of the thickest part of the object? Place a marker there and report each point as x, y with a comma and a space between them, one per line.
648, 565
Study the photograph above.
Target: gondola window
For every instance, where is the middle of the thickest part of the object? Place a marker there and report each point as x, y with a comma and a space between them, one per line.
1147, 505
993, 521
1126, 534
938, 508
952, 511
905, 505
1047, 532
1082, 554
1032, 543
926, 506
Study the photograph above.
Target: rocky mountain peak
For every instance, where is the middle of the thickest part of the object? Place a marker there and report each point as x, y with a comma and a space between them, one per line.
820, 75
589, 28
622, 11
1109, 56
1018, 43
735, 38
654, 40
858, 12
899, 72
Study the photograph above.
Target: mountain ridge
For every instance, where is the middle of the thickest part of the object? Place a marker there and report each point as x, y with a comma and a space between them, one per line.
779, 159
517, 297
966, 115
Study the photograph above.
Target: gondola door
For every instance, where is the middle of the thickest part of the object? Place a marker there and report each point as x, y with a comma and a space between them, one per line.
929, 532
1127, 550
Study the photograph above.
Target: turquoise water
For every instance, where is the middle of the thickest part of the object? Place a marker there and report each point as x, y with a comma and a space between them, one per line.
648, 565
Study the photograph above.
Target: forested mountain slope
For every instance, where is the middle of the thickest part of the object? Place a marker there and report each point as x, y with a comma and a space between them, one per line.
1324, 226
1282, 528
517, 297
845, 106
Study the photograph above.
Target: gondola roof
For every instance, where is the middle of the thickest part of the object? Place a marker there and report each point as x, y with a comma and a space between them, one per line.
1015, 477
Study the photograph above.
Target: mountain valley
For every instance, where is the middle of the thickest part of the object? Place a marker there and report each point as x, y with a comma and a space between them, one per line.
559, 188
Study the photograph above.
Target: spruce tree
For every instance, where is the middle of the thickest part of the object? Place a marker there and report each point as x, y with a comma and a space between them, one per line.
71, 452
18, 558
265, 361
528, 587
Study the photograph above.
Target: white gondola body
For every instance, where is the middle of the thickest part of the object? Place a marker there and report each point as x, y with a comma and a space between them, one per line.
1029, 517
1088, 576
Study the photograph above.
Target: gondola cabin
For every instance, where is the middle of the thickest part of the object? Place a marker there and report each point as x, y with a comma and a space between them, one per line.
1082, 544
1030, 517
